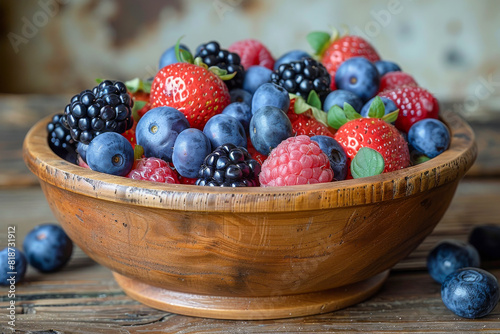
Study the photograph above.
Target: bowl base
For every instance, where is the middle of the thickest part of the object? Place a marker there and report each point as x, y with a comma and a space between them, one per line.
251, 308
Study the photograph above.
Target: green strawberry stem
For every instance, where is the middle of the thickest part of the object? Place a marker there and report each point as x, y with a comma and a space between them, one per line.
301, 106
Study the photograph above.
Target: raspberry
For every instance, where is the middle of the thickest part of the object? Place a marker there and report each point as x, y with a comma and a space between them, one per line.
398, 79
252, 52
153, 169
296, 160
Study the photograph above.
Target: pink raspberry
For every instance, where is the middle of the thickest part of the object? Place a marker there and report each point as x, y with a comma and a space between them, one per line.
397, 79
252, 52
296, 160
153, 169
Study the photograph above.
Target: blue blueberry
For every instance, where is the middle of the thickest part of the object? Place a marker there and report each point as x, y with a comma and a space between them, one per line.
269, 126
339, 97
486, 239
255, 77
224, 129
470, 292
450, 255
359, 76
430, 137
390, 106
240, 95
385, 66
110, 153
190, 149
290, 56
47, 247
336, 155
271, 95
12, 266
241, 111
81, 149
157, 130
168, 57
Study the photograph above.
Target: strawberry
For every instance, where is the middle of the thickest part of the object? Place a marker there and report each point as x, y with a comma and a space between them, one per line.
192, 89
139, 92
130, 135
414, 103
304, 122
334, 50
256, 155
252, 52
397, 79
355, 132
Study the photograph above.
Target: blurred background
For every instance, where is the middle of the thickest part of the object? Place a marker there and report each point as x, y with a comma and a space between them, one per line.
451, 47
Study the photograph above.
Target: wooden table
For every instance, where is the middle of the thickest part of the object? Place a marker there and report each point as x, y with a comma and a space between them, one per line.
84, 298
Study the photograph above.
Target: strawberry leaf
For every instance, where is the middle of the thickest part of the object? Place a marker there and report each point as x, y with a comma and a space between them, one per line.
318, 40
350, 112
367, 162
138, 152
391, 117
138, 105
136, 84
313, 99
377, 108
183, 56
336, 117
301, 106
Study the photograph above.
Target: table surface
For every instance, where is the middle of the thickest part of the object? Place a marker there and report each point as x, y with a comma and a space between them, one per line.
84, 298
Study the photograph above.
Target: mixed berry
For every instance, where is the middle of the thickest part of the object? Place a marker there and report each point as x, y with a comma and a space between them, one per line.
347, 103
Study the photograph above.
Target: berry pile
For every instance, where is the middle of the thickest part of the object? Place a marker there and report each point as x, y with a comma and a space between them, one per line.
239, 117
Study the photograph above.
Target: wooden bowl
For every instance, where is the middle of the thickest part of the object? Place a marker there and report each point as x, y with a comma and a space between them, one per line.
254, 253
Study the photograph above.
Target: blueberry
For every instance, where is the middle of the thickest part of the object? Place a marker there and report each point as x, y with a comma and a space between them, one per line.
12, 260
385, 66
240, 95
486, 239
339, 97
110, 153
450, 255
168, 57
81, 148
157, 130
470, 292
390, 106
190, 149
255, 77
269, 126
429, 136
358, 75
290, 56
271, 95
336, 155
241, 111
224, 129
47, 247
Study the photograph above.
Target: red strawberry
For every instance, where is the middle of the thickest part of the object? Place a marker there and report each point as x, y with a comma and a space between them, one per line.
256, 155
397, 79
305, 123
193, 90
252, 52
344, 48
376, 134
414, 104
130, 135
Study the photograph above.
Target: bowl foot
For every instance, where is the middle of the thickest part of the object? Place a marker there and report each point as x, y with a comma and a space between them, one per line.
251, 308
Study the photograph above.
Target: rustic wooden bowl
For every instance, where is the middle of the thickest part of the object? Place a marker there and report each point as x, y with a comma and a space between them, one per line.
255, 253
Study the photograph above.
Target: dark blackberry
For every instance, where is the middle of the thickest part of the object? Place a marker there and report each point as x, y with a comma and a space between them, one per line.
229, 166
105, 108
213, 55
300, 77
60, 140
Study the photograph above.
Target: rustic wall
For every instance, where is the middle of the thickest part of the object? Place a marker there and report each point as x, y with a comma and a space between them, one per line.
451, 46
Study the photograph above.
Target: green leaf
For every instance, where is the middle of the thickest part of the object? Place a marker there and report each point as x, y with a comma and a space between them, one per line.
417, 157
198, 61
301, 106
135, 85
350, 112
183, 56
313, 99
377, 108
138, 105
138, 152
336, 117
318, 40
391, 117
367, 162
99, 80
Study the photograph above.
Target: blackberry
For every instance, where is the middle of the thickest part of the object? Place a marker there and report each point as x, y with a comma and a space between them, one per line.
229, 166
60, 140
300, 77
105, 108
213, 55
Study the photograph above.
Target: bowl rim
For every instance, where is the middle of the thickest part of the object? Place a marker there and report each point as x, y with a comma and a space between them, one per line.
447, 167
